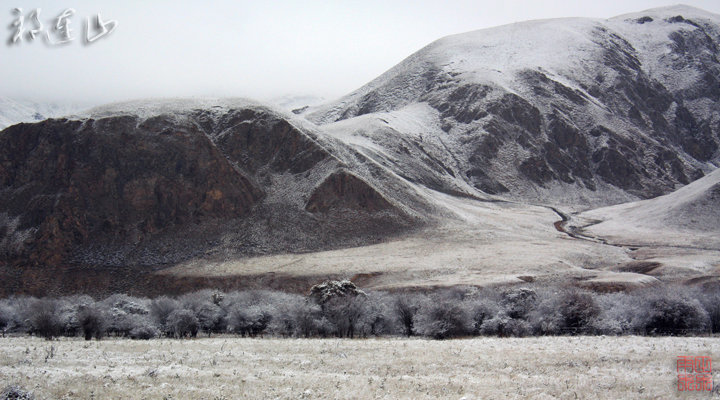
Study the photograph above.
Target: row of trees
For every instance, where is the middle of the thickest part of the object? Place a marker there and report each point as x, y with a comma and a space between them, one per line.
339, 309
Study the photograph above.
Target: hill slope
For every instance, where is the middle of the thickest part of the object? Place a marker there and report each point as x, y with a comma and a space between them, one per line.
152, 183
689, 216
573, 111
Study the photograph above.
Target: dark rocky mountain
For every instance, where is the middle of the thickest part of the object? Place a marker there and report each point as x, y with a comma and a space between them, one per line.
573, 111
152, 184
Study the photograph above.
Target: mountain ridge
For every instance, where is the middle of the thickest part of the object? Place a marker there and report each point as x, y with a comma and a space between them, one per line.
568, 117
451, 168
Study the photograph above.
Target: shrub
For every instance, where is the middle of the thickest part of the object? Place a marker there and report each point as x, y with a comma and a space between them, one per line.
183, 323
502, 325
564, 311
673, 314
249, 321
710, 299
92, 322
44, 318
144, 332
160, 310
442, 320
518, 302
620, 313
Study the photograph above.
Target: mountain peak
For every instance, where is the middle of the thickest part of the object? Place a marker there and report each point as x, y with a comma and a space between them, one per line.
575, 110
667, 12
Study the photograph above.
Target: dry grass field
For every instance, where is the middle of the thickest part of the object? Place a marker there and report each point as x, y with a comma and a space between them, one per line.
628, 367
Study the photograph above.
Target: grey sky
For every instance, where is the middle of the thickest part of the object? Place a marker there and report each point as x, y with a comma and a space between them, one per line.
256, 49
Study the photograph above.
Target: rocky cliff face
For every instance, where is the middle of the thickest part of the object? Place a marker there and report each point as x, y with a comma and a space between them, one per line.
575, 111
120, 178
152, 184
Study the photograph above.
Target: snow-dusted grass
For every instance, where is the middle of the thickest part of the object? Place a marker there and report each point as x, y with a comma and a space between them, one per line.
230, 368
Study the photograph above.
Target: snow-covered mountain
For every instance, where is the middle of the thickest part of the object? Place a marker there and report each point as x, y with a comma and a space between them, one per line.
454, 167
296, 103
13, 111
570, 111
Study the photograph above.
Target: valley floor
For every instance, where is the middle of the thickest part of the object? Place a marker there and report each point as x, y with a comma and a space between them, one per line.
485, 244
628, 367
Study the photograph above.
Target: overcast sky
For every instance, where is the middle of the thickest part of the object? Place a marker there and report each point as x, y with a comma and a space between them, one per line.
256, 49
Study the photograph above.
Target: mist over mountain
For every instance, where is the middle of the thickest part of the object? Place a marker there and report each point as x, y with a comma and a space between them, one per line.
13, 111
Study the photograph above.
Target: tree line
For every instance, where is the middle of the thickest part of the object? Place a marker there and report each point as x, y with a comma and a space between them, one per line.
340, 309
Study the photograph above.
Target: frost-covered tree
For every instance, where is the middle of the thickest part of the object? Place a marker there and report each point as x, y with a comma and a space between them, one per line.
503, 325
92, 321
670, 312
6, 316
346, 313
287, 308
142, 327
479, 310
160, 310
250, 321
518, 302
205, 306
45, 319
309, 320
378, 318
328, 290
710, 299
405, 309
125, 314
563, 311
442, 319
183, 323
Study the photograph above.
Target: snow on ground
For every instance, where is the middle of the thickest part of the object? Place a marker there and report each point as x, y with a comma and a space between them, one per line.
484, 243
231, 368
688, 217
